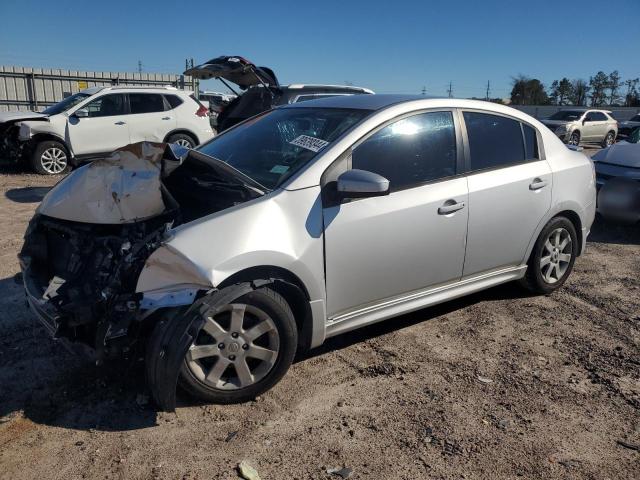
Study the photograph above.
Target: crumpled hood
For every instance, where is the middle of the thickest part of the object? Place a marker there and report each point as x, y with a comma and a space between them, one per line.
13, 116
622, 153
121, 188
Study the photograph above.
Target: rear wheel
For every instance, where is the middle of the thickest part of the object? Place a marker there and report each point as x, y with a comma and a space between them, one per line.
182, 139
242, 350
50, 158
574, 139
552, 257
609, 139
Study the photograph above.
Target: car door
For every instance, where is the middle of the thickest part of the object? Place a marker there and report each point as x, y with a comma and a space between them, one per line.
104, 129
383, 247
509, 190
591, 127
151, 118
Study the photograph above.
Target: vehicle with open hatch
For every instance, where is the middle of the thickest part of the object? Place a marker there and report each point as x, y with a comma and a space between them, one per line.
302, 223
259, 89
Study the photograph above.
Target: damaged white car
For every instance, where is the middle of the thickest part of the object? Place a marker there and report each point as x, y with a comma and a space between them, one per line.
299, 224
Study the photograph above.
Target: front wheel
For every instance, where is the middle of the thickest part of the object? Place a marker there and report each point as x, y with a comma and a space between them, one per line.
50, 158
242, 350
574, 139
182, 139
552, 257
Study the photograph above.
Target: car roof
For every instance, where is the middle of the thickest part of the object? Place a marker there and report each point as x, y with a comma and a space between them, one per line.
337, 88
364, 102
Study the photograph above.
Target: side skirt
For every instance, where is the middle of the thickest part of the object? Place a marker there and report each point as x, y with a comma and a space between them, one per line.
419, 299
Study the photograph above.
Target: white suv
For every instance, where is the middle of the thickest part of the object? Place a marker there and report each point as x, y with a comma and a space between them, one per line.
99, 120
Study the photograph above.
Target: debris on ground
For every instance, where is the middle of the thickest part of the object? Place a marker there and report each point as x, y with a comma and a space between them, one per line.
343, 473
631, 446
231, 436
484, 379
247, 472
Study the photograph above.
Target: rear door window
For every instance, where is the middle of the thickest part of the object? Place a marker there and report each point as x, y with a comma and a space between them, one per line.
411, 151
494, 141
146, 102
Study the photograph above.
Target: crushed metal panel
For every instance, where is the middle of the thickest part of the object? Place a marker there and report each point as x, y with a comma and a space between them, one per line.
124, 187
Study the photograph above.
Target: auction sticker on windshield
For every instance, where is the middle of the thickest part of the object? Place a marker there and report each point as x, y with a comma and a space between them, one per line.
310, 143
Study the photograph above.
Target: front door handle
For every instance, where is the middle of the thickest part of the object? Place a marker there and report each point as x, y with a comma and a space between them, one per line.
537, 184
166, 118
450, 206
120, 123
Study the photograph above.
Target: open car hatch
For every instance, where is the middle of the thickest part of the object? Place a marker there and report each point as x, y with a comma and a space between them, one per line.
236, 70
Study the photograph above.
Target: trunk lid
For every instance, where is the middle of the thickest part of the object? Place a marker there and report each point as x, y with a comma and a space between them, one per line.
235, 69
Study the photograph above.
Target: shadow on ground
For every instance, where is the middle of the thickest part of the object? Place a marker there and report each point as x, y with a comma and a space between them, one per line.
603, 231
54, 387
27, 194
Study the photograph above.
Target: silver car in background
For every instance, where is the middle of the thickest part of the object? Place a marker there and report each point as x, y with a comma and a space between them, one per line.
299, 224
577, 126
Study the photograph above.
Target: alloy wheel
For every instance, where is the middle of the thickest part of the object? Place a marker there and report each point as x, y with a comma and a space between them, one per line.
183, 142
556, 255
235, 348
609, 139
53, 160
574, 139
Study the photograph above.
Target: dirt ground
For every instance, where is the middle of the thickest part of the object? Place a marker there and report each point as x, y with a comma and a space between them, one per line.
496, 385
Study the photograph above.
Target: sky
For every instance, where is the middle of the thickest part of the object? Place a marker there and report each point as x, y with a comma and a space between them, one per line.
396, 46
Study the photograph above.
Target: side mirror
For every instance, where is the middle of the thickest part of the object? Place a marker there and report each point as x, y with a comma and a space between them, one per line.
81, 113
361, 183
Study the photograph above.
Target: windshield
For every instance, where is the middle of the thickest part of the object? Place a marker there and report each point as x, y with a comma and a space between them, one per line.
635, 136
566, 115
65, 104
635, 118
272, 147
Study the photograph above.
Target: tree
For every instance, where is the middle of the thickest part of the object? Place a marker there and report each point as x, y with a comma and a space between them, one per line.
632, 97
561, 91
579, 91
614, 87
599, 85
528, 91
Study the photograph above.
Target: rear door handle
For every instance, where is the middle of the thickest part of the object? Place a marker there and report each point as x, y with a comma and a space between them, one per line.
120, 123
450, 206
537, 184
166, 118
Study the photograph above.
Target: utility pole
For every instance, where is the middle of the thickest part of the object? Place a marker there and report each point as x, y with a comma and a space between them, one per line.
424, 90
450, 91
139, 66
195, 85
488, 90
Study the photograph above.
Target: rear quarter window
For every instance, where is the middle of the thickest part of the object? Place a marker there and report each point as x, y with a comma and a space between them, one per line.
173, 101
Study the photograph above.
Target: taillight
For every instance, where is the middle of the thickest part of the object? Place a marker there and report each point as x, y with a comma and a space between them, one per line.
202, 111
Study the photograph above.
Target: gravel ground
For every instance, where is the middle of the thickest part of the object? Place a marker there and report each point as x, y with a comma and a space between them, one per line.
496, 385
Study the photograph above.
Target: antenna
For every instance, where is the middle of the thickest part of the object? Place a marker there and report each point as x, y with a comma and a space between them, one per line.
450, 91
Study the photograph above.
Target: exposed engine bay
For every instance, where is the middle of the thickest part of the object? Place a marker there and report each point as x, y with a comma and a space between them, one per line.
92, 234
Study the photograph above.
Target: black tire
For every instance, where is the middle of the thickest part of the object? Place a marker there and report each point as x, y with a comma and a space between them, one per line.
574, 139
534, 279
609, 139
50, 158
182, 139
276, 307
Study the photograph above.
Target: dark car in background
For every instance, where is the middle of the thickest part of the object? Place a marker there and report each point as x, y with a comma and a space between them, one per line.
262, 91
626, 128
